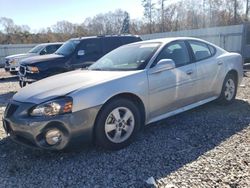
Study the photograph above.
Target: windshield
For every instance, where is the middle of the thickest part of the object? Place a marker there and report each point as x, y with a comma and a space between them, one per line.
68, 47
129, 57
36, 49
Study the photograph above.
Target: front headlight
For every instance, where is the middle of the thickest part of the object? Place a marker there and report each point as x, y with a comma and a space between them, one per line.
53, 107
32, 69
13, 61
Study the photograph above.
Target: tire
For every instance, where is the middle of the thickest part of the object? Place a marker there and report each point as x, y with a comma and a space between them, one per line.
117, 124
229, 90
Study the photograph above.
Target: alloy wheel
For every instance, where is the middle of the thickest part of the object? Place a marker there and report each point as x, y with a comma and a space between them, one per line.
119, 125
230, 89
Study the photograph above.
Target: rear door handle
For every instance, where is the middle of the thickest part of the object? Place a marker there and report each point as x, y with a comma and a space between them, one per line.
189, 72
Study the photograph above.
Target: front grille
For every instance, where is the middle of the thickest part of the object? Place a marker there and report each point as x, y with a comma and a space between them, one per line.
10, 110
22, 70
7, 127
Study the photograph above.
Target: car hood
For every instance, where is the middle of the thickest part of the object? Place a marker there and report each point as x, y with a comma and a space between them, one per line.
63, 84
41, 58
19, 56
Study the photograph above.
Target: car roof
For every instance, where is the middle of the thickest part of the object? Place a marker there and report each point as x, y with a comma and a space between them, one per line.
51, 43
105, 36
170, 39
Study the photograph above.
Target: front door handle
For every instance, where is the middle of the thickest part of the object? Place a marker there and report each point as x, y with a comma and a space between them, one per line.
219, 62
189, 72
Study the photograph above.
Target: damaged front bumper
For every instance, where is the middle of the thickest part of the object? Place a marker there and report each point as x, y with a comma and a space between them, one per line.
75, 128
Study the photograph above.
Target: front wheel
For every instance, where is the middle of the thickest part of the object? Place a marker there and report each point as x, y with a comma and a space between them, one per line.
22, 83
117, 124
229, 90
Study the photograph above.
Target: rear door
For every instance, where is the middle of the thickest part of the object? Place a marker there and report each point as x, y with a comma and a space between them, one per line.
209, 69
172, 89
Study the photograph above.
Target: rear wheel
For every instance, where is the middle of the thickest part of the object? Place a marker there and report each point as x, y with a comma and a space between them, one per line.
117, 124
229, 89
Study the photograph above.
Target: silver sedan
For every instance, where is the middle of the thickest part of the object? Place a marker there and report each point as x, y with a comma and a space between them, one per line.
134, 85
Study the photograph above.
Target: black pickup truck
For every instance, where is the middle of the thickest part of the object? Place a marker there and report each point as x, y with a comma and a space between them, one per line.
73, 54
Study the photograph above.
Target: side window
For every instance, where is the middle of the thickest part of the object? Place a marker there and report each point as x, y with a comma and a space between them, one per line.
91, 47
212, 49
110, 44
200, 49
51, 49
177, 51
43, 51
127, 40
248, 35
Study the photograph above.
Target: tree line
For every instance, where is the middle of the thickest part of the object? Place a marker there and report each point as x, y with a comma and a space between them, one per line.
159, 16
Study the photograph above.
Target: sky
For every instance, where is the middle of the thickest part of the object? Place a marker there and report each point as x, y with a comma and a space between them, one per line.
44, 13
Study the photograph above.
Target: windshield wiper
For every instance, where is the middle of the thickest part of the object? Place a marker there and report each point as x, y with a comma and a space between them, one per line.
96, 69
59, 53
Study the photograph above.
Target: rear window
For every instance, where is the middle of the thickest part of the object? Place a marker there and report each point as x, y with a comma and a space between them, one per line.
212, 49
201, 50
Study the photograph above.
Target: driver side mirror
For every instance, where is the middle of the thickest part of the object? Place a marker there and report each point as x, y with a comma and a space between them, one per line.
81, 53
163, 64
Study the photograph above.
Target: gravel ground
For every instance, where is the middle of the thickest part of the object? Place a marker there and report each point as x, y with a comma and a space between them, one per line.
205, 147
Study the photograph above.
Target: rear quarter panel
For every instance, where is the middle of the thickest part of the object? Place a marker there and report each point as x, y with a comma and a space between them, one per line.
231, 62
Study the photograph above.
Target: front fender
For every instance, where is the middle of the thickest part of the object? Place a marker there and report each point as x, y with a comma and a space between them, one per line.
99, 94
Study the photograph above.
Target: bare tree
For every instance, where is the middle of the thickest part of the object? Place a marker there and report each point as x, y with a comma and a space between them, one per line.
235, 11
126, 24
106, 24
247, 10
149, 10
160, 17
162, 2
137, 27
63, 27
7, 24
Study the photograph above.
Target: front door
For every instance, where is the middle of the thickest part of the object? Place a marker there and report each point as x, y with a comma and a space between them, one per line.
172, 89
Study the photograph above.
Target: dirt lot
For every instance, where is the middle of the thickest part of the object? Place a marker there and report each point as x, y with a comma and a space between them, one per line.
205, 147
